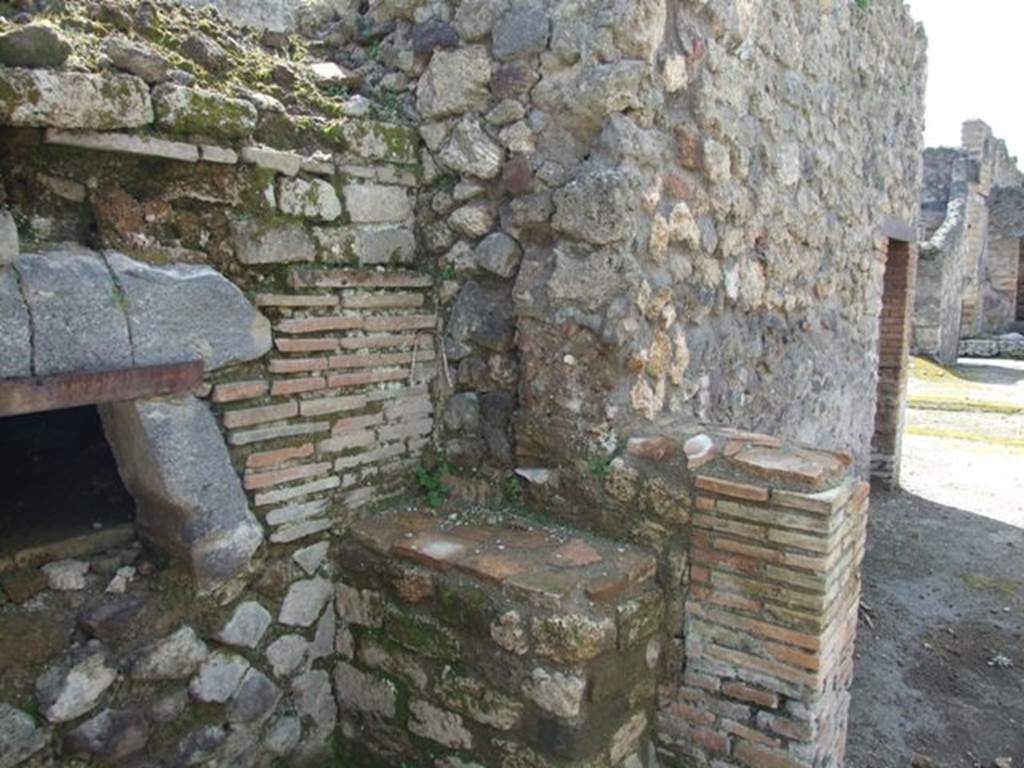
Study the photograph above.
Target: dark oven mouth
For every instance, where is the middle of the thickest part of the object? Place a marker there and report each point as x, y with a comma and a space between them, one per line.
63, 496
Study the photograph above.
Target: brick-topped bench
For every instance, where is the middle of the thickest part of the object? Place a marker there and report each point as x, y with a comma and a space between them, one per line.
468, 642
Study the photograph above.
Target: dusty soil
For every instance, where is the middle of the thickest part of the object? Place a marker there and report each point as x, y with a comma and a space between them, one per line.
940, 666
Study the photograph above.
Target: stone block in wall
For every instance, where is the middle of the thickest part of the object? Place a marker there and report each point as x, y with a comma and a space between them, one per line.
490, 631
778, 537
45, 98
377, 203
369, 245
374, 140
198, 112
259, 243
78, 321
190, 502
184, 312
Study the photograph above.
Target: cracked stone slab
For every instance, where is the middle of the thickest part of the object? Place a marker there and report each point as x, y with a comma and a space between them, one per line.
190, 502
78, 323
221, 326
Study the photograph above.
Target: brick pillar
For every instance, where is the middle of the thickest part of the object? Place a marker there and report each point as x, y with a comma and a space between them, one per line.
893, 362
771, 618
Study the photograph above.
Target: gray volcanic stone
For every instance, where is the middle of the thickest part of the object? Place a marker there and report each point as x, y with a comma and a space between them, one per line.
312, 557
256, 244
109, 737
200, 745
34, 46
433, 33
42, 97
15, 341
596, 207
204, 50
77, 319
246, 626
255, 700
471, 151
520, 33
218, 677
304, 602
19, 736
286, 654
68, 691
112, 618
190, 502
283, 736
462, 412
313, 699
220, 327
136, 58
483, 316
455, 82
172, 658
356, 690
499, 254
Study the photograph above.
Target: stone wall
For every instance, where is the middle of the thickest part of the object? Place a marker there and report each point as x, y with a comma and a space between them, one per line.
685, 250
938, 299
970, 229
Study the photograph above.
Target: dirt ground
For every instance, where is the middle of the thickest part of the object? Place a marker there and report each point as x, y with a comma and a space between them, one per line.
940, 665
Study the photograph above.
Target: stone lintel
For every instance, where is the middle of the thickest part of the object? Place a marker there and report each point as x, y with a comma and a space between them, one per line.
123, 142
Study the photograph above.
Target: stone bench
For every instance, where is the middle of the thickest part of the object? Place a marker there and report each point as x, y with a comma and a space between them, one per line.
468, 642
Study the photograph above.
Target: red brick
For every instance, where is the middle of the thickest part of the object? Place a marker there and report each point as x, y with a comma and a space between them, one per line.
379, 341
493, 567
294, 300
362, 379
732, 489
372, 361
321, 344
575, 553
705, 503
746, 693
246, 417
233, 391
320, 324
692, 714
763, 666
259, 480
295, 386
400, 323
696, 679
325, 405
757, 756
791, 729
710, 740
280, 456
298, 364
399, 300
748, 733
699, 574
357, 422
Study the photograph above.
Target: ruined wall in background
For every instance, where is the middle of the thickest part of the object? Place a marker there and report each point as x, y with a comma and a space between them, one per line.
942, 257
994, 169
